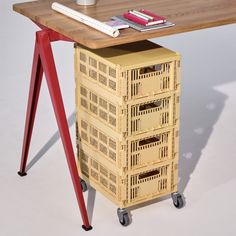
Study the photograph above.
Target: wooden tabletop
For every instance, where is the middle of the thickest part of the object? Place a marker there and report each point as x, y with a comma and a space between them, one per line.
188, 15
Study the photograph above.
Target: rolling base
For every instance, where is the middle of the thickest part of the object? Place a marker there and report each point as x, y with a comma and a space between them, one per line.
87, 229
21, 174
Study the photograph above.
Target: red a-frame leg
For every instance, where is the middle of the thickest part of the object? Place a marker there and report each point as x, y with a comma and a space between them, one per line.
43, 62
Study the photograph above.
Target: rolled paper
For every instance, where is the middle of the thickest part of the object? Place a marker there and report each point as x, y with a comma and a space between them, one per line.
98, 25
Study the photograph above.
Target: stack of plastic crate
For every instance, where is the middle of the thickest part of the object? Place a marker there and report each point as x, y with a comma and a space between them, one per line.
127, 100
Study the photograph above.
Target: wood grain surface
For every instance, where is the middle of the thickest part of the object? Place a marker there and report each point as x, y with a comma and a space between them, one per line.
188, 15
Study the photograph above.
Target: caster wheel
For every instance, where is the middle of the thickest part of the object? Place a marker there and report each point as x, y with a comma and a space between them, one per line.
83, 185
123, 216
177, 200
125, 220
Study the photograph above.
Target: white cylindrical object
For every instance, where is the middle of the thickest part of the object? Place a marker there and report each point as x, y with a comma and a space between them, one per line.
98, 25
86, 2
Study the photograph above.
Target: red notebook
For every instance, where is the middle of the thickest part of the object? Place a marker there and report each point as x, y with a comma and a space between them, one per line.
146, 22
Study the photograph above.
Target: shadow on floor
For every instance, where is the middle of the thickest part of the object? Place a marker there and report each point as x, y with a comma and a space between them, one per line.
200, 112
49, 143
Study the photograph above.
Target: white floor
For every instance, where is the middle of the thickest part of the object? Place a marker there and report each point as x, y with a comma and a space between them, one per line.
43, 202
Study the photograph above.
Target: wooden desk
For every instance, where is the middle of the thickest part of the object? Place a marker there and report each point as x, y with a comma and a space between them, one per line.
188, 15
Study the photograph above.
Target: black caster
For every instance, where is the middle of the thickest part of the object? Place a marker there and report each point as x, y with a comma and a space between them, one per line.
178, 200
123, 216
83, 185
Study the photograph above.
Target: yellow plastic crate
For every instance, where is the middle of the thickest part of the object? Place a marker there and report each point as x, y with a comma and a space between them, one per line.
128, 153
131, 117
132, 187
127, 100
130, 71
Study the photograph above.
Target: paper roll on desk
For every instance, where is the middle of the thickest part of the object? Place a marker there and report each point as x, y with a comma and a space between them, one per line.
98, 25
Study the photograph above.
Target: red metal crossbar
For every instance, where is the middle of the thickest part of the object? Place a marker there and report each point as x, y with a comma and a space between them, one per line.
43, 61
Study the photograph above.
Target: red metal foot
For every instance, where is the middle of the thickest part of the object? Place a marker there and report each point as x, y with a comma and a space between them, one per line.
22, 174
44, 62
87, 229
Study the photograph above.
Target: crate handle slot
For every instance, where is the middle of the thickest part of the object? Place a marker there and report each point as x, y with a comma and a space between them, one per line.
149, 69
150, 105
149, 140
148, 174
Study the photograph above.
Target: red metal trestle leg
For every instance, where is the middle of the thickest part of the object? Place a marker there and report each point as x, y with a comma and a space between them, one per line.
35, 85
44, 61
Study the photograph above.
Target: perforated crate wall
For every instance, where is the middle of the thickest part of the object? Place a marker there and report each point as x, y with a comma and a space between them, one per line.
131, 117
127, 152
160, 73
130, 188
